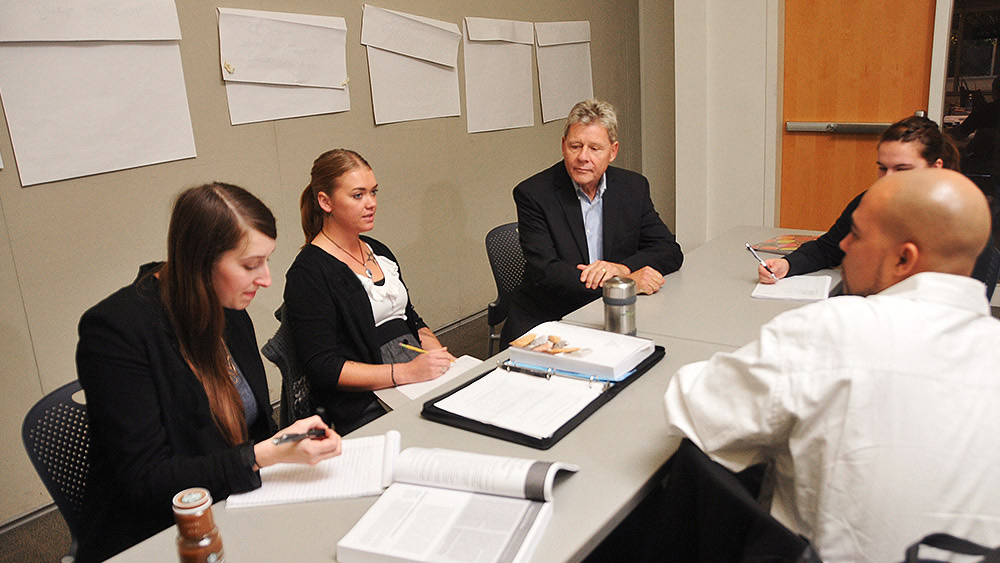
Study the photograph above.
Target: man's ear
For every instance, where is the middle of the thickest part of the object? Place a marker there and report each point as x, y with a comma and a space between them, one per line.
906, 260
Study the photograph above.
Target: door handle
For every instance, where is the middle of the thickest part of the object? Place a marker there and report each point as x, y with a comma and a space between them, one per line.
836, 127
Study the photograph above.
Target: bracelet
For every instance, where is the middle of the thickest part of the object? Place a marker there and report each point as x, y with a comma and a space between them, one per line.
392, 374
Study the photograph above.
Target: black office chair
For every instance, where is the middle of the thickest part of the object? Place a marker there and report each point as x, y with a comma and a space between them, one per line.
507, 262
704, 513
992, 272
296, 393
56, 439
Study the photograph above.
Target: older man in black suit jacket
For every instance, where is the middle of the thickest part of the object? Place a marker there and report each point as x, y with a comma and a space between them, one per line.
581, 222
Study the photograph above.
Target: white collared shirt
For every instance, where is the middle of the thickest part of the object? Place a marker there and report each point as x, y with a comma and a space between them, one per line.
880, 413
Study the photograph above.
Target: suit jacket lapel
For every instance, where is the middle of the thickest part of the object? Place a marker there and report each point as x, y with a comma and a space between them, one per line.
566, 195
612, 210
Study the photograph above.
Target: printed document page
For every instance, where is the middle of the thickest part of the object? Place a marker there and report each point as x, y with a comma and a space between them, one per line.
533, 406
415, 523
363, 469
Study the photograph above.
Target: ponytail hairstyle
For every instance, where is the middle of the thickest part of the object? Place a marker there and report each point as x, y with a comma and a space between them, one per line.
326, 170
206, 222
934, 143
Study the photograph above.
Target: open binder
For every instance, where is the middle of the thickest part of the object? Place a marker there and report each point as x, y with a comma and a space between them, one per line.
607, 391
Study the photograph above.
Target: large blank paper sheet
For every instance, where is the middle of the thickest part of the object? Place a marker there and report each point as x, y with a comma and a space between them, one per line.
75, 109
498, 80
251, 103
564, 73
88, 20
281, 65
412, 64
281, 48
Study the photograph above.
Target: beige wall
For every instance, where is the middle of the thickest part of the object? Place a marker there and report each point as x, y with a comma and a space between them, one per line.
66, 245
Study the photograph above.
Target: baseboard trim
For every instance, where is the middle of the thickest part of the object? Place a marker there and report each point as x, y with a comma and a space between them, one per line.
463, 321
27, 517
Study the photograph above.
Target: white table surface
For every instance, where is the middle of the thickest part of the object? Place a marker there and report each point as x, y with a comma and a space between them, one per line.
708, 299
702, 309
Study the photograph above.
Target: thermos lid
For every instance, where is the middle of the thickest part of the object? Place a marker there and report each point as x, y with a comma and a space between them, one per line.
618, 287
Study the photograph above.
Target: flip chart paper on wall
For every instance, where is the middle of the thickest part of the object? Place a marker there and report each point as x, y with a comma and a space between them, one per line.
75, 109
280, 48
412, 63
498, 81
564, 73
88, 20
250, 103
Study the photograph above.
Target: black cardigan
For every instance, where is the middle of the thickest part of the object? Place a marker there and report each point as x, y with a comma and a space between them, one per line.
151, 428
331, 320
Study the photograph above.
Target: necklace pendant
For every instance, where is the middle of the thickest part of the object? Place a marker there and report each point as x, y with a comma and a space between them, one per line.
368, 273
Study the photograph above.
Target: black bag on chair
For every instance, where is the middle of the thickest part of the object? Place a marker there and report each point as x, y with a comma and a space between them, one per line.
948, 542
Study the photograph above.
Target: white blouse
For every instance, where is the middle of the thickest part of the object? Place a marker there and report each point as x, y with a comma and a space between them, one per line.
388, 300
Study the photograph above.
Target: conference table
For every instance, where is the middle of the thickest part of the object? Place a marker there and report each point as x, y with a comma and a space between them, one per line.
621, 449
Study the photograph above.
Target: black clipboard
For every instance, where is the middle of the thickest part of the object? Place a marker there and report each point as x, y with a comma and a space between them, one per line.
432, 412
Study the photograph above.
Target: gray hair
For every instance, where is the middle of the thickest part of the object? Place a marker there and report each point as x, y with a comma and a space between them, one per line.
593, 111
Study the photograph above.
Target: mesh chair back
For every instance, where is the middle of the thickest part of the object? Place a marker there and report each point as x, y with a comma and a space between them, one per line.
507, 262
504, 251
56, 439
296, 393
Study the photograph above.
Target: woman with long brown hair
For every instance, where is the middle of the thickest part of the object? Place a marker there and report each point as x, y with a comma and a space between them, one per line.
909, 144
345, 301
175, 387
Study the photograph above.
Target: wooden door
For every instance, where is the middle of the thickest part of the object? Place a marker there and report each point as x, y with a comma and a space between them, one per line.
846, 61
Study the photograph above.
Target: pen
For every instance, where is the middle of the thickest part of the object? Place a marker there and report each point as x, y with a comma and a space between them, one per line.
312, 433
762, 263
414, 348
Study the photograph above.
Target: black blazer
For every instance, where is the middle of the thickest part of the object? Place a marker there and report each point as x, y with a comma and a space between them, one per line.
552, 236
151, 429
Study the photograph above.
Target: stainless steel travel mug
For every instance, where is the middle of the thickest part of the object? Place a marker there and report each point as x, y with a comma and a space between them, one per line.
619, 305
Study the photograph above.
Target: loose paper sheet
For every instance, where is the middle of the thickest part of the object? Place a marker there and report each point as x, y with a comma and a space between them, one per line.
795, 288
75, 109
564, 73
413, 65
88, 20
396, 397
498, 82
280, 48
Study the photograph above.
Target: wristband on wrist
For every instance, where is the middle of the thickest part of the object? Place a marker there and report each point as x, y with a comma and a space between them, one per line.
392, 374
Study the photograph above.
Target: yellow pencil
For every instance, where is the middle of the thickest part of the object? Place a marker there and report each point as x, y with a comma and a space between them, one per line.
414, 348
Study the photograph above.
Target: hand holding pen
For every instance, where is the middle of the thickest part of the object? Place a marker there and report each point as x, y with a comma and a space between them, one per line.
291, 445
770, 271
429, 364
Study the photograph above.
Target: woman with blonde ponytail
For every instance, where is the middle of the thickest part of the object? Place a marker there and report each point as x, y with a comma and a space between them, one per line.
175, 387
345, 301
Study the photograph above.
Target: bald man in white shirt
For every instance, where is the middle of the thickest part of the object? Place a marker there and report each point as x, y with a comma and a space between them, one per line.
878, 408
